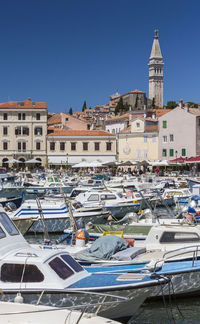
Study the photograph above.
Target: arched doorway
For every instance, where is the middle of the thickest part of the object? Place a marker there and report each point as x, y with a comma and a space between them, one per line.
21, 163
39, 163
4, 163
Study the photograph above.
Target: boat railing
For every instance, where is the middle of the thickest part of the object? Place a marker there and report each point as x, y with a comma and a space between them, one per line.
191, 249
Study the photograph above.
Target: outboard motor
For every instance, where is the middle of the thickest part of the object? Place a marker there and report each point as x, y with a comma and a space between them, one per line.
82, 237
146, 214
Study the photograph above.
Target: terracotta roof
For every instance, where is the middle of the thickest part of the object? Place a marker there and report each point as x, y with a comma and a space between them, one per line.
125, 130
151, 119
56, 119
160, 112
79, 113
24, 104
195, 111
151, 128
70, 132
125, 116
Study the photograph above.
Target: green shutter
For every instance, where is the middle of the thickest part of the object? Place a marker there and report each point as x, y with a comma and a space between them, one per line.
164, 124
183, 152
171, 152
164, 152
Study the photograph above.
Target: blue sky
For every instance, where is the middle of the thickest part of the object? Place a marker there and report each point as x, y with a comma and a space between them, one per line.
64, 52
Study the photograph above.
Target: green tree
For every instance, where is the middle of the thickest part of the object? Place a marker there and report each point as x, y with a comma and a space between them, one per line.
126, 106
70, 111
84, 106
153, 103
171, 104
192, 104
119, 107
136, 101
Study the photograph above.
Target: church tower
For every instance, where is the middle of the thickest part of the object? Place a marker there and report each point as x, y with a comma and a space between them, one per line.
156, 73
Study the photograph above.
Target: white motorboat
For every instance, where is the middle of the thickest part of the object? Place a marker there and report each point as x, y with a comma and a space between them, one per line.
15, 313
62, 280
113, 201
56, 214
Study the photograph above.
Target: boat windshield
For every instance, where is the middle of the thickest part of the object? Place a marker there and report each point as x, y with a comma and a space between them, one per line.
8, 224
73, 264
61, 268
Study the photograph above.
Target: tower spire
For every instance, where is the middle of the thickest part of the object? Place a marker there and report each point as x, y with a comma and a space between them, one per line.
156, 72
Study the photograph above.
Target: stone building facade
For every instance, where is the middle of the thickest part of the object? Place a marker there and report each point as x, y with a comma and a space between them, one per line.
23, 127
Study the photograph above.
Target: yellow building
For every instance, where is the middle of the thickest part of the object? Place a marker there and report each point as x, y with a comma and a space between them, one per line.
139, 141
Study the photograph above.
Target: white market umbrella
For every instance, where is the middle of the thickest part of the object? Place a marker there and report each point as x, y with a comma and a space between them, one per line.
13, 161
32, 161
81, 165
95, 164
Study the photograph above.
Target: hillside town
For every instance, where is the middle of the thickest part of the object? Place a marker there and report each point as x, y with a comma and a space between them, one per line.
130, 127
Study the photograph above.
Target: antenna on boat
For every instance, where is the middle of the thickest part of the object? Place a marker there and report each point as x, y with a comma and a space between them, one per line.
71, 216
46, 234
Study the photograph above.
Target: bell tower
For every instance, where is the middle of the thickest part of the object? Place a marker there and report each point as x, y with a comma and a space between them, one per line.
156, 73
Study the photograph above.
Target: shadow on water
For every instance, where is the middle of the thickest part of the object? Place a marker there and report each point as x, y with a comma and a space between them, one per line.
181, 311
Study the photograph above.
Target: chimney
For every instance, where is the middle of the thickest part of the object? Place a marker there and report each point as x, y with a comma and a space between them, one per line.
187, 106
130, 114
181, 103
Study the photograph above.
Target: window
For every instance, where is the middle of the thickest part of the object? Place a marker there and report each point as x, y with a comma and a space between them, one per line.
96, 146
145, 139
145, 154
24, 146
164, 139
66, 119
8, 225
25, 130
21, 116
154, 138
88, 127
138, 125
38, 146
171, 137
38, 116
93, 197
164, 152
38, 131
108, 146
60, 267
176, 237
85, 146
21, 130
5, 145
5, 116
113, 131
183, 152
62, 146
73, 264
164, 124
52, 146
73, 146
171, 152
5, 130
11, 272
2, 234
138, 154
21, 146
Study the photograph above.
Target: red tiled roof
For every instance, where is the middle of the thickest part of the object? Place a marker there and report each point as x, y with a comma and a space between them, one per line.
195, 111
160, 112
125, 116
56, 119
23, 104
70, 132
